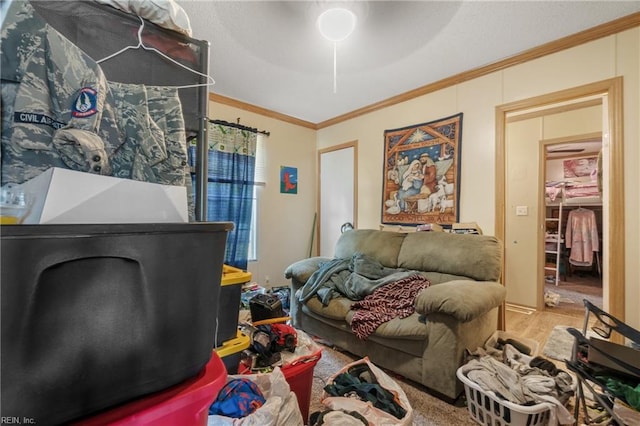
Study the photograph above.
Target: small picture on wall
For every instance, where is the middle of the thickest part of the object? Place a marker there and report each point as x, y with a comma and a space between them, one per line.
580, 167
288, 180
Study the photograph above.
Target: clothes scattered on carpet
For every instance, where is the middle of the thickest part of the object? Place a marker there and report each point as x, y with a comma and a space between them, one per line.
361, 393
359, 382
553, 299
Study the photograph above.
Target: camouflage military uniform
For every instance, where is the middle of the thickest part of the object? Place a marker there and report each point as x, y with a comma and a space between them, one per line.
144, 146
58, 110
166, 111
22, 34
58, 104
152, 124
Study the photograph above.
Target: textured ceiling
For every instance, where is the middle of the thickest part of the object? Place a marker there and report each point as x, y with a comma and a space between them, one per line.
270, 53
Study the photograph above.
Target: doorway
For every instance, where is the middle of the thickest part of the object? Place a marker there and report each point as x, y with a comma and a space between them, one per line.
572, 191
613, 203
337, 194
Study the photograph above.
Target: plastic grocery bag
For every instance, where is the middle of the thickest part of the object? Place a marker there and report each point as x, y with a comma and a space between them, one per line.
375, 416
280, 409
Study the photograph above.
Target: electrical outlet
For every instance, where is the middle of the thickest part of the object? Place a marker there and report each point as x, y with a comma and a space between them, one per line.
522, 210
266, 279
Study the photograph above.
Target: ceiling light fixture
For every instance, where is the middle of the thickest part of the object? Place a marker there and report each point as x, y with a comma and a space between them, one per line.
335, 25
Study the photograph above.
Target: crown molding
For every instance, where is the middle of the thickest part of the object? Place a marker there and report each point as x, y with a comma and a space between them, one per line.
262, 111
591, 34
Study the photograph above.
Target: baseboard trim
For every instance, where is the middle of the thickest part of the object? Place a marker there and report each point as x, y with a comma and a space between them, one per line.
519, 309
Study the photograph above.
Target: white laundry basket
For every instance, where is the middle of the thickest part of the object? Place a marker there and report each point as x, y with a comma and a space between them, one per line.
488, 409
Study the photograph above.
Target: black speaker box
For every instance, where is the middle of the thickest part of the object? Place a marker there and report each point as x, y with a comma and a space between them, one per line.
265, 306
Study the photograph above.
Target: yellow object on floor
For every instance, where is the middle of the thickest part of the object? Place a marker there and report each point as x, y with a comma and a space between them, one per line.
9, 220
231, 275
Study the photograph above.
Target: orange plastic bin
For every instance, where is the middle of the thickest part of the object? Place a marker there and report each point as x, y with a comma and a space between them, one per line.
186, 404
300, 379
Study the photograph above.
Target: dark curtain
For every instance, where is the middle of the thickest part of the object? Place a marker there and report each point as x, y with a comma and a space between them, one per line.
231, 171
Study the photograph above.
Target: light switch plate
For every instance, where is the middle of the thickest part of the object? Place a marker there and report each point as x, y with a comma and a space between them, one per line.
522, 210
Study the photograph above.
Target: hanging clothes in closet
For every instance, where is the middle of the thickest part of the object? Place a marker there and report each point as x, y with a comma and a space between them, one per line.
581, 236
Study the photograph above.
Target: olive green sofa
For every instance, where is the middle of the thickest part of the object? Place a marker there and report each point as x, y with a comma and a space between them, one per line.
458, 311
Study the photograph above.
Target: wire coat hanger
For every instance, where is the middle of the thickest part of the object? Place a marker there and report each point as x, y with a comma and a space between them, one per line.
153, 49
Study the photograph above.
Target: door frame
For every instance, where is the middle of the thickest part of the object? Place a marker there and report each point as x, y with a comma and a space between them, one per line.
616, 225
351, 144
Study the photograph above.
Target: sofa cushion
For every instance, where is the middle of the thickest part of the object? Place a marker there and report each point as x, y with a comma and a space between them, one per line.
475, 256
382, 246
439, 277
464, 300
337, 308
411, 327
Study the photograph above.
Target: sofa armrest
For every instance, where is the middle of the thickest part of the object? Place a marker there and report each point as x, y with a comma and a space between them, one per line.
299, 273
302, 269
464, 300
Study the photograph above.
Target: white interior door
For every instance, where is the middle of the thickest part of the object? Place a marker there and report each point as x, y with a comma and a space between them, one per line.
337, 194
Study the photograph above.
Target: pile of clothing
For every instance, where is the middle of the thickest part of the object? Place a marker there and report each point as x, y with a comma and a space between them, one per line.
360, 382
256, 399
521, 378
381, 293
360, 393
238, 398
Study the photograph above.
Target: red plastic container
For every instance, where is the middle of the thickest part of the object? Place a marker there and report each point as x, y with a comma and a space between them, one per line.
186, 404
300, 379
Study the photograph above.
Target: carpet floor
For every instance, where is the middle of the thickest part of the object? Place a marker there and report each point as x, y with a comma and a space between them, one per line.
572, 293
559, 344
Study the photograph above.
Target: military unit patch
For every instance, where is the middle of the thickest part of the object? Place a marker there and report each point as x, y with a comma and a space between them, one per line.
86, 103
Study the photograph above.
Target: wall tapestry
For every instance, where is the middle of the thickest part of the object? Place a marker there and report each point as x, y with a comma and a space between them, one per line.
421, 180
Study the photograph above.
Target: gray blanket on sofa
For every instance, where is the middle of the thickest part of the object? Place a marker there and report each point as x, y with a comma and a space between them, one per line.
354, 278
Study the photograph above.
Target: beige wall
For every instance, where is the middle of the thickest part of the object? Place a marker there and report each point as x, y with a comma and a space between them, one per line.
286, 220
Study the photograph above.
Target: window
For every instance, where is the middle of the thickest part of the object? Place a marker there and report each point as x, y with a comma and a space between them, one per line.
260, 179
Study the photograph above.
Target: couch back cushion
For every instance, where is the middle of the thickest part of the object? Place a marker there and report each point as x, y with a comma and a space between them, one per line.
382, 246
478, 257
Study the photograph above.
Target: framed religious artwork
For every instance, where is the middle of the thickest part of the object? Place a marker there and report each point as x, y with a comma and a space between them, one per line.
421, 174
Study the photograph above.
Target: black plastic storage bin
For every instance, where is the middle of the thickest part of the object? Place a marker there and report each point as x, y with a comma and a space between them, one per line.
97, 315
265, 306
